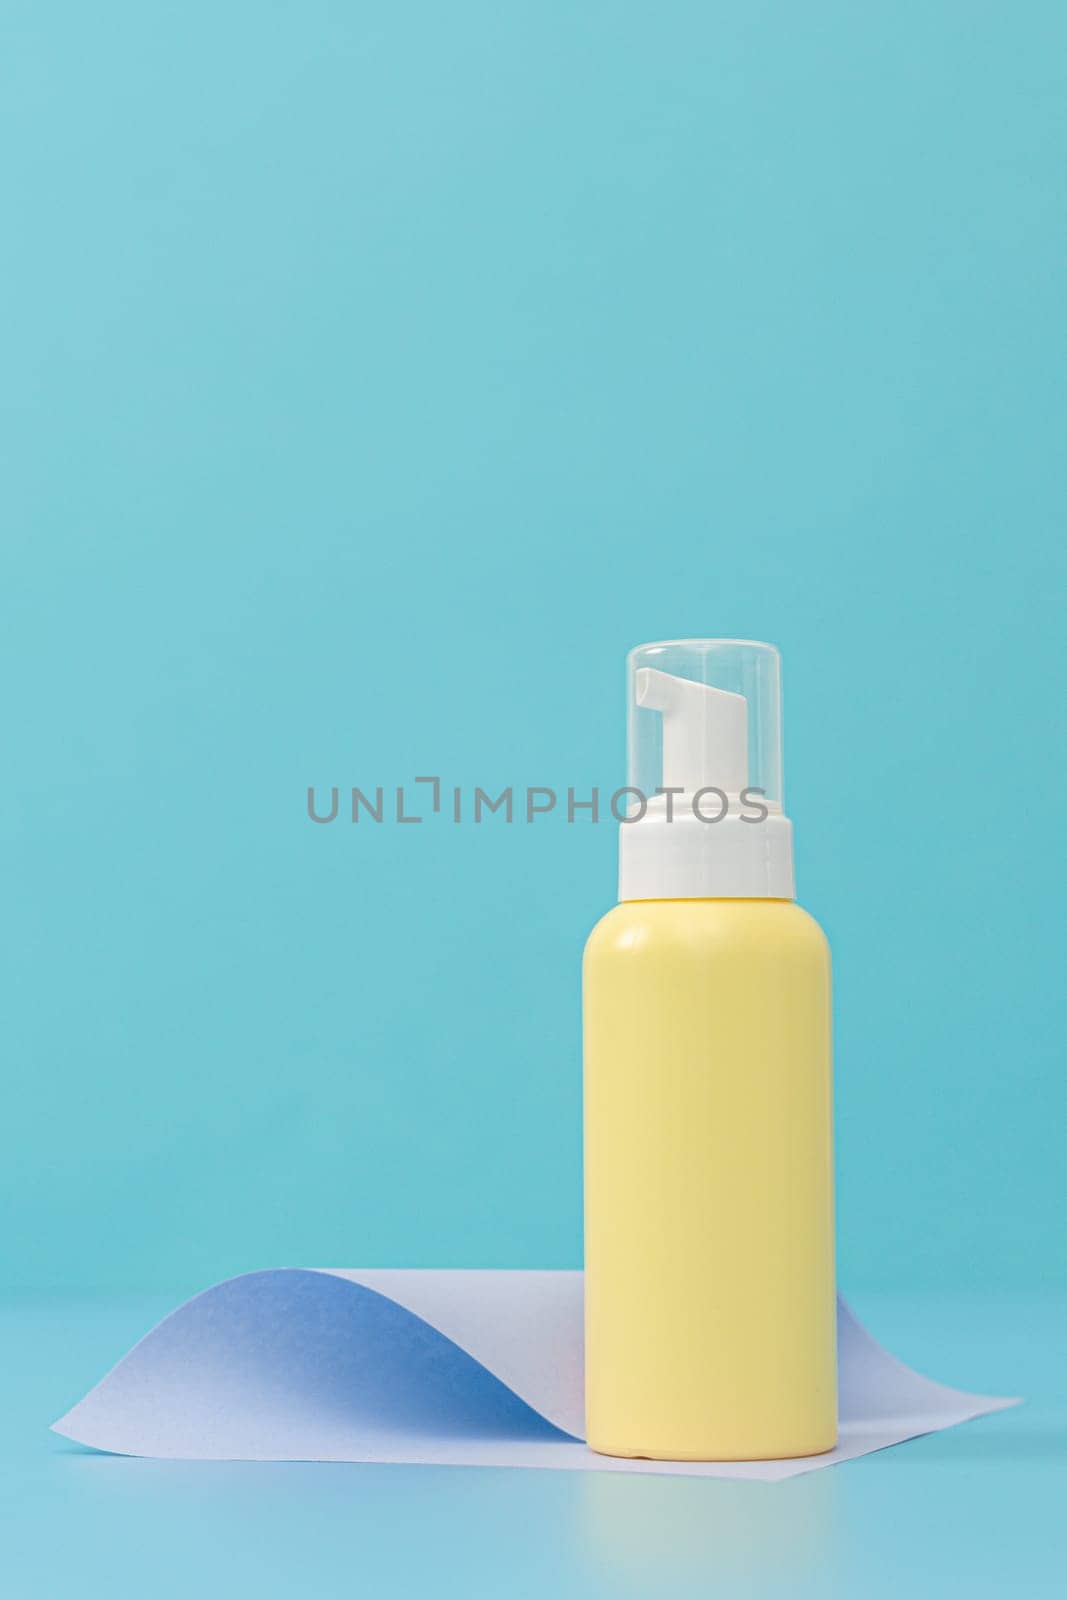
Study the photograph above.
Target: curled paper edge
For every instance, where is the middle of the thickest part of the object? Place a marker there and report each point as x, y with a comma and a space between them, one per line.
465, 1367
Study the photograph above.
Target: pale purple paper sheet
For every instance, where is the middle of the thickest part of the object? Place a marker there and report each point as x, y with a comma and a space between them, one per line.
465, 1368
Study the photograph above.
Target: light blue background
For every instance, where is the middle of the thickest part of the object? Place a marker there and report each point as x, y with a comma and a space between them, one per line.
374, 377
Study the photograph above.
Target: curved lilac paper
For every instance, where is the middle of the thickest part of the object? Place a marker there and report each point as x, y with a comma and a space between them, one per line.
475, 1368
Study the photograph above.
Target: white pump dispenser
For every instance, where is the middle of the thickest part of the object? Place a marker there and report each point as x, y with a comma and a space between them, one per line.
705, 775
705, 731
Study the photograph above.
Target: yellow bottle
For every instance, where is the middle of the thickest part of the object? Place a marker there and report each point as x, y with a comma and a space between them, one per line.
710, 1307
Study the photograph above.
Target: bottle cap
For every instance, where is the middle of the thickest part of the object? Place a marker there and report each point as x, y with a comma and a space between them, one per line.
704, 814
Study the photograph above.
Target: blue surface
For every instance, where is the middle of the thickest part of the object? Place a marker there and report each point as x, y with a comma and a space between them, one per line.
974, 1512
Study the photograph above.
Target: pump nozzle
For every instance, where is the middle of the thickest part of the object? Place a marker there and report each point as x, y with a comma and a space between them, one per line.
705, 731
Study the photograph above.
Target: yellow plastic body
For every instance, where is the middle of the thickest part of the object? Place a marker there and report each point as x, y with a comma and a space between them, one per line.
709, 1237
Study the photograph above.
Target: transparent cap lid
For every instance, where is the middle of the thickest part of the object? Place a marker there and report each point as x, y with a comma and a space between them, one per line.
705, 713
